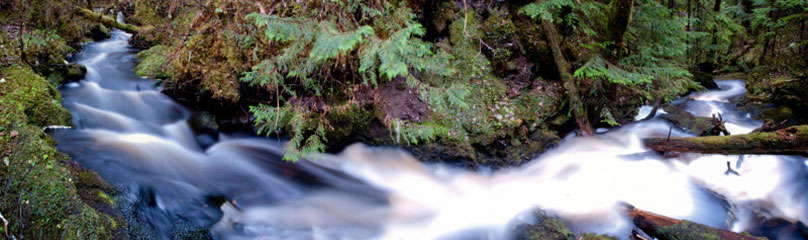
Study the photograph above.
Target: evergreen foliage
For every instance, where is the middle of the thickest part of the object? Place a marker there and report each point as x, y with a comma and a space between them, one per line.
312, 49
473, 74
652, 66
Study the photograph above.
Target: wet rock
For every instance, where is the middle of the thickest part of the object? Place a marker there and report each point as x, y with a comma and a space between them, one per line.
704, 76
705, 79
685, 120
99, 32
75, 72
65, 73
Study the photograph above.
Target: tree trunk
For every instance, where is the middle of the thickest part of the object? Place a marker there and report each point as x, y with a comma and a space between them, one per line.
618, 21
662, 227
563, 67
747, 6
108, 21
716, 11
653, 110
787, 141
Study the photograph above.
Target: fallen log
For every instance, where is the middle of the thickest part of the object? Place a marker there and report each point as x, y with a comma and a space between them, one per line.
568, 81
662, 227
107, 21
787, 141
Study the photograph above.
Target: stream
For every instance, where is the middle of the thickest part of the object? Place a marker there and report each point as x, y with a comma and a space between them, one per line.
172, 176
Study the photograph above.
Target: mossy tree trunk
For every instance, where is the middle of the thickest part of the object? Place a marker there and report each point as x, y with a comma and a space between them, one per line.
622, 10
578, 108
787, 141
108, 21
662, 227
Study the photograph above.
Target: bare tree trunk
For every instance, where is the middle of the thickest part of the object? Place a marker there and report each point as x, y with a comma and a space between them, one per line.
563, 67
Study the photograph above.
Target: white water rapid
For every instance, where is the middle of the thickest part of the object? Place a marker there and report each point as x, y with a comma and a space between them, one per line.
141, 141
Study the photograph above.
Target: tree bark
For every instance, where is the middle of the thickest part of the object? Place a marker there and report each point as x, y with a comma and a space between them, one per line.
618, 21
712, 59
747, 6
108, 21
662, 227
787, 141
563, 67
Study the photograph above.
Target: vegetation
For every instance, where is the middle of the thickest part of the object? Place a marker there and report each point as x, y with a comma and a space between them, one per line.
43, 195
459, 75
551, 228
40, 197
472, 82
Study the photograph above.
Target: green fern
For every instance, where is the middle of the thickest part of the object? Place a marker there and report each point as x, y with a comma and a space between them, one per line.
309, 49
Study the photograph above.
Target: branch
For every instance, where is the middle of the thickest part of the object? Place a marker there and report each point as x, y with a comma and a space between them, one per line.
5, 224
108, 21
787, 141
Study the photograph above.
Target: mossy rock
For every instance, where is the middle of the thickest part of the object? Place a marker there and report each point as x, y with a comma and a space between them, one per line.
35, 98
552, 228
75, 72
99, 32
779, 114
38, 186
686, 121
65, 73
153, 62
705, 79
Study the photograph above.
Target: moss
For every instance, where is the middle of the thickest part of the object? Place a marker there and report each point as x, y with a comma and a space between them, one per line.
153, 62
99, 32
690, 230
779, 114
498, 34
551, 228
352, 121
214, 59
38, 194
36, 101
687, 121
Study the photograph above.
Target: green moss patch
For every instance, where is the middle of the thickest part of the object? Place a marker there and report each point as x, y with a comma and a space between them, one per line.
690, 230
38, 196
152, 62
551, 228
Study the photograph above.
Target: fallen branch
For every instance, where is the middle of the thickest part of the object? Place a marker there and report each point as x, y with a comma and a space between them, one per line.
662, 227
563, 67
5, 224
787, 141
108, 21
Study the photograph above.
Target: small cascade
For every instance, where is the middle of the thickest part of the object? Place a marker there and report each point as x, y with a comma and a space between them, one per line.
141, 141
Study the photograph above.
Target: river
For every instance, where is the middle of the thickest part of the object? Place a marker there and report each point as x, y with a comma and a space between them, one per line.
173, 177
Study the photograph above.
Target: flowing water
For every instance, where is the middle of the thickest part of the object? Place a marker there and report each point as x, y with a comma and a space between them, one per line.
141, 141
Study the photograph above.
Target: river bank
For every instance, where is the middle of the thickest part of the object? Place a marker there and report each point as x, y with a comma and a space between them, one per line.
520, 102
44, 194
